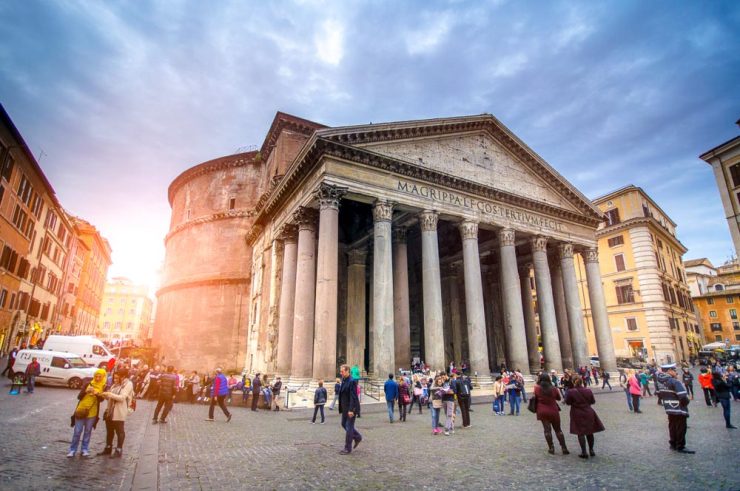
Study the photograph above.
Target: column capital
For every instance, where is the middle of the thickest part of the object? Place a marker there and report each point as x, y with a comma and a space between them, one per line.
507, 237
288, 233
524, 269
469, 229
400, 235
566, 250
382, 211
539, 243
306, 218
357, 256
329, 196
590, 255
428, 220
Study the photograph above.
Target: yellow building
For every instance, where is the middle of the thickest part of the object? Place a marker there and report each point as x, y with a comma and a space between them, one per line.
126, 312
96, 252
647, 297
718, 300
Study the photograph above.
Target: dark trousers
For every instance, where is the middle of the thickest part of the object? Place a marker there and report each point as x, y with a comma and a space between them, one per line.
606, 382
635, 403
317, 408
464, 402
114, 428
220, 400
167, 404
255, 399
710, 396
690, 389
402, 409
417, 400
677, 431
351, 434
726, 411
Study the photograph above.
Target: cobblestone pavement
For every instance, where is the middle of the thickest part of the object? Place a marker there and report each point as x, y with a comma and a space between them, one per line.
283, 450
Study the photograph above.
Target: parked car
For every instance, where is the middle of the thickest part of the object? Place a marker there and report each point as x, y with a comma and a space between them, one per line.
89, 348
57, 368
629, 362
595, 361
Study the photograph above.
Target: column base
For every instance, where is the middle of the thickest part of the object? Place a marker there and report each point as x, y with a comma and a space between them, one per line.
482, 381
299, 382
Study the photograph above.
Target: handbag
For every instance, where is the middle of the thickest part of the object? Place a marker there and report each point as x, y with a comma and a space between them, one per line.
532, 405
417, 391
406, 399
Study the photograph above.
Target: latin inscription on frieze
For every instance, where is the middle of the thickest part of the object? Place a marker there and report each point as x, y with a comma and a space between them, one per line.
486, 208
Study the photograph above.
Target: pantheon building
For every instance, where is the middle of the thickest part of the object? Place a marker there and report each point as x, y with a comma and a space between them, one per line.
444, 240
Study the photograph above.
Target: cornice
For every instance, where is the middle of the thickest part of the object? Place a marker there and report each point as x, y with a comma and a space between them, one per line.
631, 222
226, 215
221, 163
284, 122
216, 281
323, 147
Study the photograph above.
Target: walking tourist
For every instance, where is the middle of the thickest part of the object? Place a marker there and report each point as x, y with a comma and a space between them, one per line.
605, 379
11, 361
404, 398
435, 394
688, 382
722, 390
418, 392
219, 391
645, 383
167, 394
390, 389
705, 380
499, 395
733, 378
86, 413
349, 406
624, 384
33, 370
319, 399
548, 412
676, 405
584, 421
635, 392
119, 397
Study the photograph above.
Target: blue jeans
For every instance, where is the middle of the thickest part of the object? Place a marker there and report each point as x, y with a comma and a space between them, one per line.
350, 432
629, 398
498, 404
81, 425
514, 403
31, 383
726, 410
390, 405
435, 417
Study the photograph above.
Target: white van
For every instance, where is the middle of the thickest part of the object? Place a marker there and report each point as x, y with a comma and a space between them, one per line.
89, 348
57, 368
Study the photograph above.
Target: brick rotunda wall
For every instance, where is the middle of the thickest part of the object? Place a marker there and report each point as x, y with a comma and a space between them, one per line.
203, 304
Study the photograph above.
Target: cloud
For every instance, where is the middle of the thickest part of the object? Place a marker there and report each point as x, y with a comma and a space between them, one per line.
329, 42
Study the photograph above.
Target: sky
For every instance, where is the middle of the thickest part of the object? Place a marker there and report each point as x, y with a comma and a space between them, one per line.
117, 98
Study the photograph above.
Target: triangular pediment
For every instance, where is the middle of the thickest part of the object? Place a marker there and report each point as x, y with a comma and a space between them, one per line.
475, 157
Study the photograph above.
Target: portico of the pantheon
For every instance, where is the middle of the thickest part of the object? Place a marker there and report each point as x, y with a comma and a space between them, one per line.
375, 244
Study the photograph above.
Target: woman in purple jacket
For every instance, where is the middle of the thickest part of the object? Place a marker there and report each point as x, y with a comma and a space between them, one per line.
584, 421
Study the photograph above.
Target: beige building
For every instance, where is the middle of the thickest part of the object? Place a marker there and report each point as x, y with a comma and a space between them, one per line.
647, 295
718, 299
377, 244
725, 162
126, 312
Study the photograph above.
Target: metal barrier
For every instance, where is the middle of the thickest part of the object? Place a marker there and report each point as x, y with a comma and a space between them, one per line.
372, 388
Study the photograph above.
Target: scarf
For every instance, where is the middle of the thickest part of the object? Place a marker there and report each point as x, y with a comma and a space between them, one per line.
90, 401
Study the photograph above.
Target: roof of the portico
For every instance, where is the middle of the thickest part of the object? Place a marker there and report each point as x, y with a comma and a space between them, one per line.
343, 142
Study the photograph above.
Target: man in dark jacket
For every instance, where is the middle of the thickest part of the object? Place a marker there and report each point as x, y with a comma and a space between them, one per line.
276, 387
11, 361
349, 406
167, 393
676, 405
256, 390
462, 390
33, 370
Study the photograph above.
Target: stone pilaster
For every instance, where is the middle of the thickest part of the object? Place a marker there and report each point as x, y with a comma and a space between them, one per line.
604, 342
401, 316
476, 316
449, 276
530, 326
432, 290
303, 314
573, 306
289, 236
561, 312
327, 284
546, 305
356, 307
382, 322
512, 302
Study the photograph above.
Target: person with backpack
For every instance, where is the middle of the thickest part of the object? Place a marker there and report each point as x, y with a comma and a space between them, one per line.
319, 400
85, 417
219, 391
462, 392
121, 401
167, 392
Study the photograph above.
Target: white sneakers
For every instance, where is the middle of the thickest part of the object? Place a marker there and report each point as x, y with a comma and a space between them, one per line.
70, 455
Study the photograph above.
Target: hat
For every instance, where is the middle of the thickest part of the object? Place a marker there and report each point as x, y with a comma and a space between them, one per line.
668, 366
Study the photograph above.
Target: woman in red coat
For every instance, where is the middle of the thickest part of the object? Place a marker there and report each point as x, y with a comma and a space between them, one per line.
548, 411
584, 421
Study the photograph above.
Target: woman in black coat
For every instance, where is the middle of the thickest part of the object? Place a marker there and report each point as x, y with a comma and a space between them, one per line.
584, 421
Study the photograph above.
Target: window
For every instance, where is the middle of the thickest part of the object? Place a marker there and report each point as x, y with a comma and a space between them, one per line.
718, 338
129, 326
6, 163
713, 314
118, 326
735, 173
97, 350
612, 216
718, 287
715, 326
619, 261
733, 314
106, 325
624, 294
737, 337
736, 326
232, 203
58, 362
3, 297
631, 324
615, 241
710, 301
730, 298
